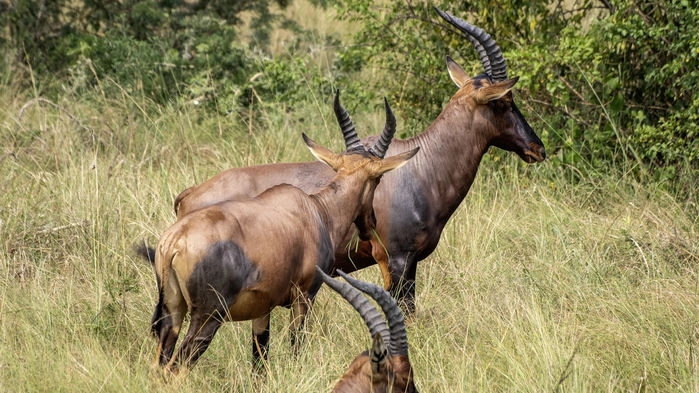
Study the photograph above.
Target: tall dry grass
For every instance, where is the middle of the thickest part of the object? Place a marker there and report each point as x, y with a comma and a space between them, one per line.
538, 284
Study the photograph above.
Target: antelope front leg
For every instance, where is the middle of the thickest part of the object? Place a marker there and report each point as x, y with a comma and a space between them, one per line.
260, 341
378, 252
402, 288
299, 308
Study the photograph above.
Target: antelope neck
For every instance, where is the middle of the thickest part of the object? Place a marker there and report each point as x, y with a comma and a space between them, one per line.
338, 205
451, 150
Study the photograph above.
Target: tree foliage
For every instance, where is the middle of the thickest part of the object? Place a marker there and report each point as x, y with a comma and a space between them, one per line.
604, 82
165, 48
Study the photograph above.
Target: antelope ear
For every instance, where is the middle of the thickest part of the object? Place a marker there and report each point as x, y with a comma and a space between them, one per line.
456, 73
494, 91
394, 162
322, 153
378, 357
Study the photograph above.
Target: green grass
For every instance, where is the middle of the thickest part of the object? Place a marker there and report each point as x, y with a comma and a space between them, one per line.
538, 285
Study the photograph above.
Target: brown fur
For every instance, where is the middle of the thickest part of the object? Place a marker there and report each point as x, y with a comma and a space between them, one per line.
442, 173
412, 206
237, 260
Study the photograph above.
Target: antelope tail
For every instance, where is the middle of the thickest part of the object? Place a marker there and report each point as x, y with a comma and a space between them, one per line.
161, 280
145, 252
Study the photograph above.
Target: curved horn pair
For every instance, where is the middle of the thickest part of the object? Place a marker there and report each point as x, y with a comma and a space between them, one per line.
394, 334
350, 133
489, 52
348, 130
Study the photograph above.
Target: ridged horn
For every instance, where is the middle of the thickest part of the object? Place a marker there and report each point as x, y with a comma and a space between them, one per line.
489, 51
396, 322
371, 316
343, 119
381, 145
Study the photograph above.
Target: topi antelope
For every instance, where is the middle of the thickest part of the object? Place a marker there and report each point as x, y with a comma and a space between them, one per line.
237, 260
385, 367
412, 205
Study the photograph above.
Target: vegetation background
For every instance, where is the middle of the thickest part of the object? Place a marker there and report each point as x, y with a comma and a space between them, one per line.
578, 274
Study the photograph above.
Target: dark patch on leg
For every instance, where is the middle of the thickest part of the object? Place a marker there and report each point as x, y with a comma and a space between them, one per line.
218, 278
167, 341
201, 331
213, 285
156, 321
162, 329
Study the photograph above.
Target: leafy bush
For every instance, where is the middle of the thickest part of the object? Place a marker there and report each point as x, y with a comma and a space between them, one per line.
626, 87
655, 47
165, 49
606, 85
408, 42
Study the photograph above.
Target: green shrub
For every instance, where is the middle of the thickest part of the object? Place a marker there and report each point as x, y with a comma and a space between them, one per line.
605, 85
168, 50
